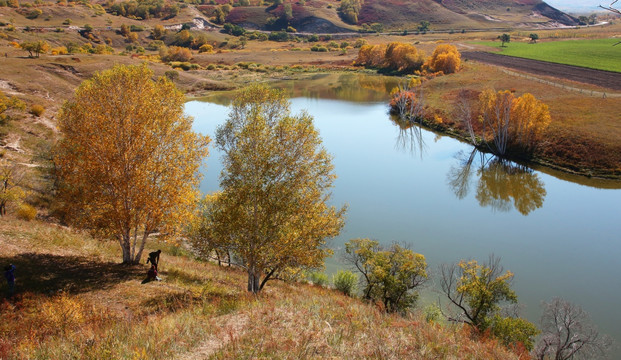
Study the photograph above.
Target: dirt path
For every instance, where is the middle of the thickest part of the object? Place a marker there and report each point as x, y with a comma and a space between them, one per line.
607, 79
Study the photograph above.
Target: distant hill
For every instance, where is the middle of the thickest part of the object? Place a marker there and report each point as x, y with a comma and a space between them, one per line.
319, 16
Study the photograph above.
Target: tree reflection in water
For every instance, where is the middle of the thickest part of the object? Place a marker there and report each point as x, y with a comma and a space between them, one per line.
502, 184
410, 137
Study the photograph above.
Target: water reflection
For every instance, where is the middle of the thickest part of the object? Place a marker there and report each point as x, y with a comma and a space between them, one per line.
501, 185
352, 87
410, 137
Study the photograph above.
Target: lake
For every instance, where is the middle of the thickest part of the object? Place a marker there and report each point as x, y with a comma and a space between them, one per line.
560, 235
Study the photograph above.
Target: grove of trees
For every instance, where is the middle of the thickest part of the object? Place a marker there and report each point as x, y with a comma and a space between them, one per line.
407, 59
128, 162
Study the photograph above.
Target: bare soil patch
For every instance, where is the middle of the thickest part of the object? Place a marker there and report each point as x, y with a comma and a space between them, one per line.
606, 79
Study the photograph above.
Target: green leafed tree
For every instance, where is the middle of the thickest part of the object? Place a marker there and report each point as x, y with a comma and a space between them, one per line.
390, 275
128, 161
273, 211
504, 39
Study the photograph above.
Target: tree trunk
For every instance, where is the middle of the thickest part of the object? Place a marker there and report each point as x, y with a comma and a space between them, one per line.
254, 283
142, 244
124, 241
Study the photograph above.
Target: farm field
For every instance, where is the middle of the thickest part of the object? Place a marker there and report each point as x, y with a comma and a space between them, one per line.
598, 54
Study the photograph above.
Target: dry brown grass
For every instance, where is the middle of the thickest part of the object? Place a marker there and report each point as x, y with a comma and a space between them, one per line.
74, 300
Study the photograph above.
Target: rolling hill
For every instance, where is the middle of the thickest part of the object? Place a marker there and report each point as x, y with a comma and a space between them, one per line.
322, 16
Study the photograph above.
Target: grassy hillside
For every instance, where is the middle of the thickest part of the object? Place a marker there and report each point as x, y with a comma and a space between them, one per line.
595, 54
75, 301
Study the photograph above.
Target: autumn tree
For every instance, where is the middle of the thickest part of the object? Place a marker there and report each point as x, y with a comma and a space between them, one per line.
11, 190
396, 56
158, 32
390, 275
404, 58
513, 123
128, 162
202, 232
8, 103
476, 291
35, 48
273, 212
445, 58
176, 53
568, 333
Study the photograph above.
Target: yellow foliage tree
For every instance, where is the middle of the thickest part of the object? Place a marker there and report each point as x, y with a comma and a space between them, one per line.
445, 58
11, 177
530, 119
273, 212
516, 123
403, 57
128, 162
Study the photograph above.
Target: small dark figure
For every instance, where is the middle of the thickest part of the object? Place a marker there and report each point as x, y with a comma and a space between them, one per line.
151, 275
154, 258
9, 274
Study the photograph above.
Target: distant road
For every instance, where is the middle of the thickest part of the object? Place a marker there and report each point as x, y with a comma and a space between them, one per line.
607, 79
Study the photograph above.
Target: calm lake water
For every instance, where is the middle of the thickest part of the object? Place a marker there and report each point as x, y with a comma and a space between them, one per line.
560, 236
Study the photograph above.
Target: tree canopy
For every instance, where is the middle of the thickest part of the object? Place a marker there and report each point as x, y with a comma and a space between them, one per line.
273, 211
128, 162
390, 275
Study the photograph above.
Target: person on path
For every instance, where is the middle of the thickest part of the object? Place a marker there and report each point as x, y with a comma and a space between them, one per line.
9, 274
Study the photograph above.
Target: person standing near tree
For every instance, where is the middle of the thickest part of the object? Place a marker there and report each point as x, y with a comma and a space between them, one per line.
154, 258
9, 274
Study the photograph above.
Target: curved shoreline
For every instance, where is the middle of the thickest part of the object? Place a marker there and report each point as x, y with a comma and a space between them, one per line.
588, 177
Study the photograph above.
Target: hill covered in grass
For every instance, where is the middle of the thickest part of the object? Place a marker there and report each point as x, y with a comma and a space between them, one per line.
322, 16
74, 300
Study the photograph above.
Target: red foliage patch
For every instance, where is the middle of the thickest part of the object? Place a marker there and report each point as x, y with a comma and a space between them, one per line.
237, 15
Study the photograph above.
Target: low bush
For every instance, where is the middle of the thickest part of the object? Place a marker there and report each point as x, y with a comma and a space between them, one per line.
317, 278
345, 282
26, 212
37, 110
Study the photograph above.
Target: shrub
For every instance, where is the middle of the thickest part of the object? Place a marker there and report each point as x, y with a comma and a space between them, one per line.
319, 48
172, 74
26, 212
34, 14
432, 313
37, 110
319, 279
176, 53
345, 281
205, 48
360, 43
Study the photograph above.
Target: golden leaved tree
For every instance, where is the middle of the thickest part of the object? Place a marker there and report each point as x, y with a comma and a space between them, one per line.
515, 124
272, 213
445, 58
128, 162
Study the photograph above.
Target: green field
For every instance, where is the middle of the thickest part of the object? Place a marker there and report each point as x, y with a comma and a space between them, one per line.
595, 54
